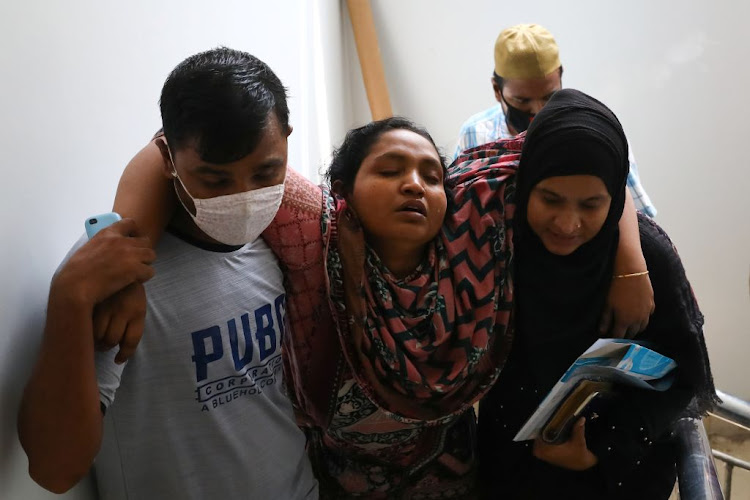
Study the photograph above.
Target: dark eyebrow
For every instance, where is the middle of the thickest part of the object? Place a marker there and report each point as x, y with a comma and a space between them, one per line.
208, 170
598, 197
547, 191
427, 160
390, 155
270, 163
218, 171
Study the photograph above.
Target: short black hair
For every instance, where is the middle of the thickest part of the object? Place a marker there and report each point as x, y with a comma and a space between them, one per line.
357, 144
500, 82
219, 102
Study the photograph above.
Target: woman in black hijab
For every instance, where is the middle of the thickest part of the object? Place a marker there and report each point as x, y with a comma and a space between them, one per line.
570, 195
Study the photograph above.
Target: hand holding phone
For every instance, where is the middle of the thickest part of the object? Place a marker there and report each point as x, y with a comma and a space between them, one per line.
106, 264
98, 222
107, 274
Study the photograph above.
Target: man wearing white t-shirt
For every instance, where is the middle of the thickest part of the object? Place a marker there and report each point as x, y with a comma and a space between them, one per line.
200, 409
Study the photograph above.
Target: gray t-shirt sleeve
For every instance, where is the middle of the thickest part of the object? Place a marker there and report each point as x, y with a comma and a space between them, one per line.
108, 375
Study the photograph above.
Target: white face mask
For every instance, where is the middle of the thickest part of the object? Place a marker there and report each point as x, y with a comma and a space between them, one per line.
235, 219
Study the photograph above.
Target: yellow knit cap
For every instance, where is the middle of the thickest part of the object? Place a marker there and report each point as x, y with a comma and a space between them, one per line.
526, 51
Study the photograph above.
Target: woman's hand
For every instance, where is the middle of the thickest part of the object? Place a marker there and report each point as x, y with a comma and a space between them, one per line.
571, 455
630, 303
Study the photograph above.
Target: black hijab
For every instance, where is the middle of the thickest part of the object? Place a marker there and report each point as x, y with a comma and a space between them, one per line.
560, 298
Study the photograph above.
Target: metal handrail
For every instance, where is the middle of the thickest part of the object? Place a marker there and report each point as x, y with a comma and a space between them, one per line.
730, 463
696, 472
733, 409
733, 461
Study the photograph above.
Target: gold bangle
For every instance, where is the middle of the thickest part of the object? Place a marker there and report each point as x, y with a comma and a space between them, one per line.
631, 275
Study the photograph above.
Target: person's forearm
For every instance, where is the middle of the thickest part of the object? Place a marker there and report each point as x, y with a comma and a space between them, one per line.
630, 300
629, 258
146, 194
60, 419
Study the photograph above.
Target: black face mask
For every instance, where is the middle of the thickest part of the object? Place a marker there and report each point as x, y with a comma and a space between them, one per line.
514, 117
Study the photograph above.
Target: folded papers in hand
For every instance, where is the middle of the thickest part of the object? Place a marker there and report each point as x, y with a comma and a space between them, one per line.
608, 363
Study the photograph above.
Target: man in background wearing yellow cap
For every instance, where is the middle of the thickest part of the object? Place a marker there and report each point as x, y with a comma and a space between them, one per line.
527, 72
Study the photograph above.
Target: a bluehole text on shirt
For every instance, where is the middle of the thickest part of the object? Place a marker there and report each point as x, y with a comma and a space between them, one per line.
255, 355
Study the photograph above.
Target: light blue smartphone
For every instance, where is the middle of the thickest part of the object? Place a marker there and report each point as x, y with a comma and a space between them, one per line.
98, 222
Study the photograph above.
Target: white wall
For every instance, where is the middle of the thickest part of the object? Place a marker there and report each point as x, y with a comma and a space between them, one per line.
677, 75
79, 90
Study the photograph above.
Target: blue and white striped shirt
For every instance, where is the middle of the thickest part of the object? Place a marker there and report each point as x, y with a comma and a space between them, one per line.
489, 125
